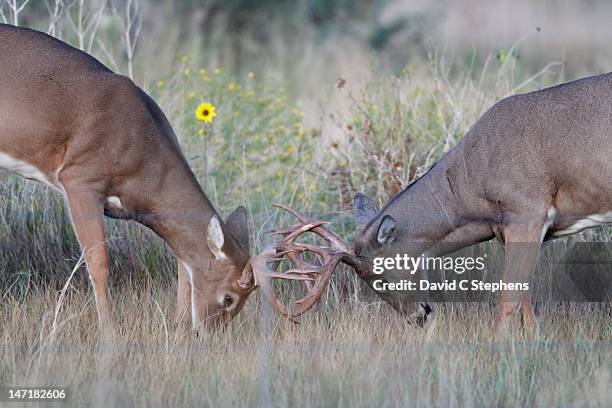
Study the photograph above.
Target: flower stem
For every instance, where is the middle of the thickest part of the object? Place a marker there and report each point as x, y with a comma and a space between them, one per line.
205, 159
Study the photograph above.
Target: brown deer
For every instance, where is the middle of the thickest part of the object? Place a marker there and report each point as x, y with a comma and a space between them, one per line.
69, 122
534, 167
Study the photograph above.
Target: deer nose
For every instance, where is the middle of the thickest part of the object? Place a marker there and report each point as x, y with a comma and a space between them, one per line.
425, 308
419, 317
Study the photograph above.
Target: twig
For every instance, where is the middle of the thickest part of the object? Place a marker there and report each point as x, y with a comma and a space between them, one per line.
132, 25
2, 15
86, 24
535, 76
16, 8
108, 55
60, 300
161, 313
55, 14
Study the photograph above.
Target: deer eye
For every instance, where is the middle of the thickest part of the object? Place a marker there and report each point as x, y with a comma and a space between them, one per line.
228, 301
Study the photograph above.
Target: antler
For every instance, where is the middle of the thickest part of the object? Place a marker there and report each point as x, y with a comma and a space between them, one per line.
315, 276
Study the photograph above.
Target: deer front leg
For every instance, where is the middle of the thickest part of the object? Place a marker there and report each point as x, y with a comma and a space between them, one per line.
522, 247
86, 211
183, 301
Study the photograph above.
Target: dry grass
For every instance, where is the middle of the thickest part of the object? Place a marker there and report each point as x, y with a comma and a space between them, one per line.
348, 353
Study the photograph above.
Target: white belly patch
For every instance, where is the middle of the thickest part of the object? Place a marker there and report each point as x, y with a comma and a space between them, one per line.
596, 220
22, 168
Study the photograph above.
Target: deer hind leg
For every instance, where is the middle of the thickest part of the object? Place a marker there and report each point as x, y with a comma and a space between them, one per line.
183, 301
522, 247
86, 210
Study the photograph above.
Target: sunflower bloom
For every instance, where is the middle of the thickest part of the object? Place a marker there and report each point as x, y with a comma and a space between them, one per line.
205, 112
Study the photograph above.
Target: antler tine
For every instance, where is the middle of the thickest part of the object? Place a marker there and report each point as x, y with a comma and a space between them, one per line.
264, 277
315, 277
283, 231
293, 252
297, 261
317, 228
318, 284
291, 211
313, 296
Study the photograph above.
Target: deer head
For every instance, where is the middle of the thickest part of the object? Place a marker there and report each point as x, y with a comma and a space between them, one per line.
218, 295
379, 235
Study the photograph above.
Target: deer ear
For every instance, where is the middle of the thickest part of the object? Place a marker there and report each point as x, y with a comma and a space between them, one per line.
215, 238
364, 209
237, 225
386, 230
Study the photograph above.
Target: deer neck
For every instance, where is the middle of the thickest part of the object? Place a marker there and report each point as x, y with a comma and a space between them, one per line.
426, 208
441, 210
180, 214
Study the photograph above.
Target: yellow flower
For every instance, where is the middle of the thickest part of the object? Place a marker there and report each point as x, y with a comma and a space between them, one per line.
251, 75
231, 87
187, 72
205, 112
217, 71
160, 84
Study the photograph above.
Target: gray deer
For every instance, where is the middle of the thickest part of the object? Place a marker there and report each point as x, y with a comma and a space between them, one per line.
534, 167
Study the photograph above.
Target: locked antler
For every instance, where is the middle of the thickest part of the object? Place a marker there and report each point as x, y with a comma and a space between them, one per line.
316, 277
